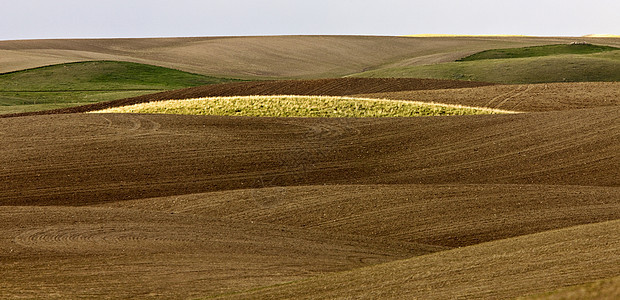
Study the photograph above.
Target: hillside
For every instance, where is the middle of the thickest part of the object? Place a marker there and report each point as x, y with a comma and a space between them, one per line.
536, 51
169, 206
267, 57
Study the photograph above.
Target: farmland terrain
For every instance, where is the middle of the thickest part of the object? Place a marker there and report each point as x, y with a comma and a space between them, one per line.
274, 57
107, 205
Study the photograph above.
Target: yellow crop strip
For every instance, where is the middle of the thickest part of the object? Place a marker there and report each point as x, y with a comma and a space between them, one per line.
300, 106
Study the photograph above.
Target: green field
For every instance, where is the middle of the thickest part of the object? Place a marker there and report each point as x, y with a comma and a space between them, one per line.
87, 82
299, 106
600, 66
536, 51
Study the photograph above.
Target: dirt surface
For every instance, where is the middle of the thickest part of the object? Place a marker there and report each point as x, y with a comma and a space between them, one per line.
325, 87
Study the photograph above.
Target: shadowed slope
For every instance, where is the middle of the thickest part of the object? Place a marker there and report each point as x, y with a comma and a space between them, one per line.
231, 241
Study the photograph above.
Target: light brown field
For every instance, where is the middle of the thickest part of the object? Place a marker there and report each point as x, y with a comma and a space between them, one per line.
267, 57
170, 206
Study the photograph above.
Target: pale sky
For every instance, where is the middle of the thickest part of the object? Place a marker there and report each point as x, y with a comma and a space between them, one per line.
30, 19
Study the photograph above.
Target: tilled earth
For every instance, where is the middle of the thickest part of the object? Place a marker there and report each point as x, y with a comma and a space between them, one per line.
126, 205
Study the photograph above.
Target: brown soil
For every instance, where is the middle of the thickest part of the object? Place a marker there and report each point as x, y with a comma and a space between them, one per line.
246, 203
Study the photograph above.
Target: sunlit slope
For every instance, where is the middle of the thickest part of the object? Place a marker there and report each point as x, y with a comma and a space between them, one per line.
500, 269
266, 57
86, 82
557, 68
300, 106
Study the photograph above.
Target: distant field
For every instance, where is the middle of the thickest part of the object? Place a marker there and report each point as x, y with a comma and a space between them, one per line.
554, 68
299, 106
87, 82
270, 57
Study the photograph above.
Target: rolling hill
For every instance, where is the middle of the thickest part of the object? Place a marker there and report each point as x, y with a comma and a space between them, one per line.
87, 82
273, 57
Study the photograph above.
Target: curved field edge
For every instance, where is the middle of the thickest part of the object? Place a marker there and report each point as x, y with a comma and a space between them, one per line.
499, 269
299, 106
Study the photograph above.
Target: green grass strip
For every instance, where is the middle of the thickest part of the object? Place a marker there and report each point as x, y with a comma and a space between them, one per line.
300, 106
536, 51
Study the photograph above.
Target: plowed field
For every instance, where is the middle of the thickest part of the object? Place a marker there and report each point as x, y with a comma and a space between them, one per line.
168, 206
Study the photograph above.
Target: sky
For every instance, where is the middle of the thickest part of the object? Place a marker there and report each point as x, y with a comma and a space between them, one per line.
36, 19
